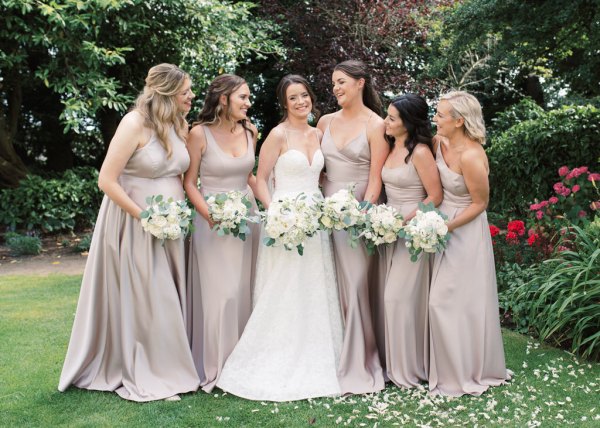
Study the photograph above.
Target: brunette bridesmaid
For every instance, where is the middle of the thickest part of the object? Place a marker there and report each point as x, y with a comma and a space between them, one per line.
220, 271
466, 350
355, 149
129, 332
410, 176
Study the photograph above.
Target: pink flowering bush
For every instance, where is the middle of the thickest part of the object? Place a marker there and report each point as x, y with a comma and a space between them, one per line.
576, 198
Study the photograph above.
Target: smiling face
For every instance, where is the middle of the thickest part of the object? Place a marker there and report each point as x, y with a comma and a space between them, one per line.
447, 125
297, 101
394, 127
346, 89
238, 103
185, 96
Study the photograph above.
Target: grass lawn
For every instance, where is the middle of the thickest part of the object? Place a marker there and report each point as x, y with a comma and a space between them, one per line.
550, 387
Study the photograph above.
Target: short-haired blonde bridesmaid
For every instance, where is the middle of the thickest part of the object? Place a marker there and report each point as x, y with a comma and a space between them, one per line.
466, 350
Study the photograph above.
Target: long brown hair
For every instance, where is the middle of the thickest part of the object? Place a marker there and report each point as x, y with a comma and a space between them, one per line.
358, 70
225, 84
157, 102
284, 83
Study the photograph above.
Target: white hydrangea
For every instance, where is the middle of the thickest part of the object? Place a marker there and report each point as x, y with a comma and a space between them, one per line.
230, 212
426, 232
166, 219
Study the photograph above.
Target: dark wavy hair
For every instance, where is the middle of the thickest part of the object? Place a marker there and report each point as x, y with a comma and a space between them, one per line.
358, 70
225, 84
284, 83
414, 112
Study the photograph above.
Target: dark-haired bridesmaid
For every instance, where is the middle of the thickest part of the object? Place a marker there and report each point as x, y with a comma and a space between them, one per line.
410, 176
355, 149
466, 350
220, 272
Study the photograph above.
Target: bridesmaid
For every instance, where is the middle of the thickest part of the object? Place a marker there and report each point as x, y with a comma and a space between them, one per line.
466, 350
129, 332
355, 149
410, 176
221, 146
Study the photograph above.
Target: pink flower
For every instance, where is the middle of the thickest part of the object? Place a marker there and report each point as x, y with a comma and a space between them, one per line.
543, 204
581, 214
583, 169
558, 187
530, 232
539, 215
594, 176
566, 192
534, 207
595, 205
561, 248
553, 199
563, 170
576, 188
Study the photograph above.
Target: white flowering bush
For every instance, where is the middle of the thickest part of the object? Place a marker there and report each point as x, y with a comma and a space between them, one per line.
231, 213
426, 232
382, 225
168, 219
290, 221
341, 211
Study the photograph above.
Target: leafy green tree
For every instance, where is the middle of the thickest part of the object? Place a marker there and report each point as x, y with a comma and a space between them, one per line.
507, 49
70, 68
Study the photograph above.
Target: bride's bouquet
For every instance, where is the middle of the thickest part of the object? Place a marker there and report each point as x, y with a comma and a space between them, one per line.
168, 219
382, 225
289, 221
427, 231
341, 211
231, 213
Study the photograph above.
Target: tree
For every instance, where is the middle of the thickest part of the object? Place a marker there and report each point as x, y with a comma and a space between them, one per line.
70, 68
507, 49
389, 35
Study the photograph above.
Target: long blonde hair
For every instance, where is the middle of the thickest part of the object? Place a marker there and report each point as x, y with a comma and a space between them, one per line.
158, 105
466, 106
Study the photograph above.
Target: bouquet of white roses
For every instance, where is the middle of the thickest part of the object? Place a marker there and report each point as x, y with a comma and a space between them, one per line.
231, 213
167, 219
382, 225
290, 221
427, 231
341, 211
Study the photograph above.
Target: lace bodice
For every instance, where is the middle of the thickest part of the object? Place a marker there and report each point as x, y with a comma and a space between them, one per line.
293, 173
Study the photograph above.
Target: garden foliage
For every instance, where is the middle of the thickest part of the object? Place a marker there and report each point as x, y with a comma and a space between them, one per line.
59, 204
524, 158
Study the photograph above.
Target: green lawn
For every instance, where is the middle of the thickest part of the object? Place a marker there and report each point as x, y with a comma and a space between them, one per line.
550, 387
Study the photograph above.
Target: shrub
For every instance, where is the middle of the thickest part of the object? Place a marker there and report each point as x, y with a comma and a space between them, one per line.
524, 157
561, 296
83, 244
513, 310
21, 245
64, 203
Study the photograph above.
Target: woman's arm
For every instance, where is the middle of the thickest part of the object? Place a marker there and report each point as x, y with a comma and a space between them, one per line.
379, 153
269, 153
129, 136
474, 169
196, 145
424, 163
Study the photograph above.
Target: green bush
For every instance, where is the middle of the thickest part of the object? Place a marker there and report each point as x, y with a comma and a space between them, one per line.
65, 203
524, 158
21, 245
526, 109
84, 243
559, 298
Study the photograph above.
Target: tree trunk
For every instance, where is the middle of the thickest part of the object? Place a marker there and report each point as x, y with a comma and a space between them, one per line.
12, 168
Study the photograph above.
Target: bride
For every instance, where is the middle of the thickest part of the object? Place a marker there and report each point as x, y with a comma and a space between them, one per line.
291, 345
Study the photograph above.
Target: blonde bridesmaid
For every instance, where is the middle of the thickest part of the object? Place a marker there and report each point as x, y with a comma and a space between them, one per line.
129, 332
355, 149
466, 350
410, 176
220, 271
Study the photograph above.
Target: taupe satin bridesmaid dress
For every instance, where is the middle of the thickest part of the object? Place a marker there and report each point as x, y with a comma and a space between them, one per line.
466, 349
129, 333
360, 367
406, 287
221, 268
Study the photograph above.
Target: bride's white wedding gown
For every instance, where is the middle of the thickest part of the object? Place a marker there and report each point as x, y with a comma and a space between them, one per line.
291, 345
